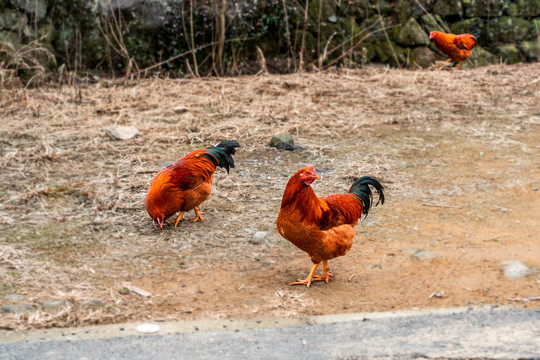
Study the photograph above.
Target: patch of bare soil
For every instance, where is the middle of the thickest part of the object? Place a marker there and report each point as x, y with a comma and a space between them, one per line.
457, 151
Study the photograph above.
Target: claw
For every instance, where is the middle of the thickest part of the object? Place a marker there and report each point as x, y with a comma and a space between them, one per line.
198, 214
177, 219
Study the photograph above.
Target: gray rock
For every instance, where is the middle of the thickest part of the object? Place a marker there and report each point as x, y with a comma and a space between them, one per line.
50, 305
515, 269
425, 255
18, 309
14, 297
122, 132
283, 141
95, 303
36, 8
258, 238
422, 57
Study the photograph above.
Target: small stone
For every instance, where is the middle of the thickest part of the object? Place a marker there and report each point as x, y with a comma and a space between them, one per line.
283, 141
18, 309
258, 238
180, 109
14, 297
122, 132
49, 305
124, 291
95, 303
425, 255
515, 269
148, 328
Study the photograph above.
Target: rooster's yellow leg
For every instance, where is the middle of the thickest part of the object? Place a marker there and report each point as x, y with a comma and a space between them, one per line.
326, 274
309, 278
177, 219
448, 60
199, 215
459, 65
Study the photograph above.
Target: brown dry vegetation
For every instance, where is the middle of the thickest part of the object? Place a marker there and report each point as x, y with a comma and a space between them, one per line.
458, 153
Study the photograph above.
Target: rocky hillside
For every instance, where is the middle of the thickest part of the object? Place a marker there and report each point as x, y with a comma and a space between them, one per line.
233, 36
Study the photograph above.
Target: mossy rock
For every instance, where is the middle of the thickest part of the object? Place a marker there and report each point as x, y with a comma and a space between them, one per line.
387, 49
410, 34
508, 30
485, 8
420, 8
358, 9
370, 44
430, 24
37, 9
448, 8
376, 28
508, 53
382, 6
464, 26
530, 49
422, 57
512, 10
10, 37
528, 8
535, 28
403, 10
11, 19
479, 57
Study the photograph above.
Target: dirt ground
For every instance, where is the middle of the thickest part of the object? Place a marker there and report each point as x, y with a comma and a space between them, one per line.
457, 151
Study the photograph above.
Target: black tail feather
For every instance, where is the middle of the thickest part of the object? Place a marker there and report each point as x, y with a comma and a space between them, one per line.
362, 191
220, 154
475, 30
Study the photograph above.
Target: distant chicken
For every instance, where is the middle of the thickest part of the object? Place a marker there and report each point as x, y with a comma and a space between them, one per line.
323, 226
184, 185
457, 47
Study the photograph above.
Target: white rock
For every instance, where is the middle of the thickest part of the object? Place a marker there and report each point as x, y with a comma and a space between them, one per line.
180, 109
148, 328
515, 269
122, 132
258, 237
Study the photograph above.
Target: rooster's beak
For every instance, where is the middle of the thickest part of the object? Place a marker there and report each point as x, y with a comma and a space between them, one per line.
160, 223
316, 177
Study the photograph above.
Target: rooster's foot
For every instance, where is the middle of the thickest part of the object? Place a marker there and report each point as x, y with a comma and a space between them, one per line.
307, 281
325, 277
177, 219
198, 214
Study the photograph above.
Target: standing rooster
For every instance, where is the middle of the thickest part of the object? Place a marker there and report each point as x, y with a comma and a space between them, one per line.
184, 185
457, 47
323, 226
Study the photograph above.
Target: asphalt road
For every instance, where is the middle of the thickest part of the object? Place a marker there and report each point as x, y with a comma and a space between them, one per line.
449, 333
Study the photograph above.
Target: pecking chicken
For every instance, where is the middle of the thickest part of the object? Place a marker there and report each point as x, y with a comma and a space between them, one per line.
184, 185
457, 47
323, 226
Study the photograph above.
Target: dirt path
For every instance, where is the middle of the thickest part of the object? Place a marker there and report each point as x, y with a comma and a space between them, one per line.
458, 153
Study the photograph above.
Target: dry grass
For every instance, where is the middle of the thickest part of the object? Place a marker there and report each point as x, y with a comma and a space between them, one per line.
73, 224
